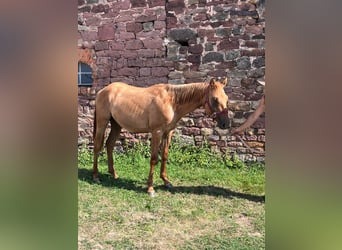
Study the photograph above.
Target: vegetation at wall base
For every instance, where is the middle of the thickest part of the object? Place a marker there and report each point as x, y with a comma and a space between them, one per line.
216, 202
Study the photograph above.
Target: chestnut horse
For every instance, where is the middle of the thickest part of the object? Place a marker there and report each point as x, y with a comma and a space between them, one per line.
155, 109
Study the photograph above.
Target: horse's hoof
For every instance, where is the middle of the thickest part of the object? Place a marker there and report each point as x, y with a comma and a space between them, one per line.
168, 185
151, 194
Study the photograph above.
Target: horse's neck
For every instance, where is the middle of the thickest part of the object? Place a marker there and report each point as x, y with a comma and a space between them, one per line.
198, 100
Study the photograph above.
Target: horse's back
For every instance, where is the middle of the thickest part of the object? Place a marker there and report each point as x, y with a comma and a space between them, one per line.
135, 108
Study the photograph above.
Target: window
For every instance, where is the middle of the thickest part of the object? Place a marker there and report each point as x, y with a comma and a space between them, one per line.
85, 74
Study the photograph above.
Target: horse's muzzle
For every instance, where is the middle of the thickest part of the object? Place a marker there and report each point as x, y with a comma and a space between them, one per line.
223, 121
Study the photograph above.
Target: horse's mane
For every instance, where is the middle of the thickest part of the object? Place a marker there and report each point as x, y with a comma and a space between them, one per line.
188, 92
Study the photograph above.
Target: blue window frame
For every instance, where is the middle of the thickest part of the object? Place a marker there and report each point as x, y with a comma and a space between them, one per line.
85, 74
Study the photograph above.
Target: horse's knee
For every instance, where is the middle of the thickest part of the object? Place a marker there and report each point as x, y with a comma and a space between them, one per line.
154, 161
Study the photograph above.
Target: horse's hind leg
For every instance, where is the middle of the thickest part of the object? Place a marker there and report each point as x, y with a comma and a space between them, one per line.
101, 124
155, 142
166, 140
113, 136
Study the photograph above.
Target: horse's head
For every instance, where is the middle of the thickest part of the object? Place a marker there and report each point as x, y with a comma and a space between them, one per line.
217, 101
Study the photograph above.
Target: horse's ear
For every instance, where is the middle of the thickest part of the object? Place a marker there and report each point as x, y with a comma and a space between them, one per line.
212, 82
225, 81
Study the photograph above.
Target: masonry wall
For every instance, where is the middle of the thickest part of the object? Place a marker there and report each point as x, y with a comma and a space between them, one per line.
147, 42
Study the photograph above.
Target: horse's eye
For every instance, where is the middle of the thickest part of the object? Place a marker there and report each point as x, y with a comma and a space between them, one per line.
215, 101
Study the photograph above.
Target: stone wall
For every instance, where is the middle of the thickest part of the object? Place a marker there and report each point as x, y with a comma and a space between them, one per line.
143, 42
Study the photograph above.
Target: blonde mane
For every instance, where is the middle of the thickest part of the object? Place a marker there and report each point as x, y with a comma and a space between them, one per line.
188, 92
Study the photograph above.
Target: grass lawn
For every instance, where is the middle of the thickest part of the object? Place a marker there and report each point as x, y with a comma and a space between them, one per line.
214, 204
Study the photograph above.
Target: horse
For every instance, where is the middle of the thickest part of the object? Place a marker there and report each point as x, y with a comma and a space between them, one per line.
156, 110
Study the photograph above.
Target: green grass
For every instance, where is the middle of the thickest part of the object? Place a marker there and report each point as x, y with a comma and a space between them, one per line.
214, 204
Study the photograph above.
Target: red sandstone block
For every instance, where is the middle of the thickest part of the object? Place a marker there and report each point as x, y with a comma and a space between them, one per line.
150, 34
134, 27
177, 6
125, 5
217, 73
145, 18
160, 71
196, 49
116, 45
101, 45
161, 53
146, 53
228, 44
138, 3
159, 25
103, 72
251, 44
129, 54
126, 35
88, 35
145, 71
171, 22
253, 52
93, 21
226, 65
135, 62
154, 62
106, 32
100, 8
195, 59
154, 3
134, 45
200, 17
103, 60
125, 16
128, 72
153, 43
256, 30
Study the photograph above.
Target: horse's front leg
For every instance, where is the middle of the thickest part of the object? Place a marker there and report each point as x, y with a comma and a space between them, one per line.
166, 140
155, 141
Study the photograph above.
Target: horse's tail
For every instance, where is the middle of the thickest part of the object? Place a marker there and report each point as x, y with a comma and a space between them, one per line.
94, 127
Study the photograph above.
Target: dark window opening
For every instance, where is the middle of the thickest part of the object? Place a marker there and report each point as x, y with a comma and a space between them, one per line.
85, 74
183, 43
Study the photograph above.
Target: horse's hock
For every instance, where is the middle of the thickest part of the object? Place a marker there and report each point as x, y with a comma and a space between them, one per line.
147, 42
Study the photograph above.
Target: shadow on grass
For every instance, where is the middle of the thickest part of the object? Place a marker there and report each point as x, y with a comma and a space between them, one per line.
107, 180
122, 183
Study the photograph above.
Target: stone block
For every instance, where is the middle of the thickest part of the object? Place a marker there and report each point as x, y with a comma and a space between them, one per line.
196, 49
116, 45
213, 57
228, 44
145, 18
128, 72
145, 71
182, 35
259, 62
101, 45
177, 6
243, 63
134, 45
146, 53
126, 35
253, 52
195, 59
159, 25
134, 27
155, 3
153, 43
100, 8
138, 3
147, 26
106, 32
160, 71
